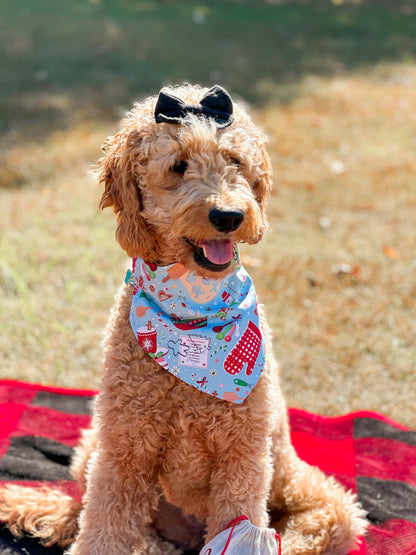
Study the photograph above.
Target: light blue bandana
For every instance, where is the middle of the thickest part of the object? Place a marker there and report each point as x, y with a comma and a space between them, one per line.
204, 331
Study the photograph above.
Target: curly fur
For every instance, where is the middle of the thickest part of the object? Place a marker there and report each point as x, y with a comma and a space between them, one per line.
165, 466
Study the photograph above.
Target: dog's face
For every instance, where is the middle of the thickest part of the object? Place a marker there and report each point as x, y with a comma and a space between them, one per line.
186, 192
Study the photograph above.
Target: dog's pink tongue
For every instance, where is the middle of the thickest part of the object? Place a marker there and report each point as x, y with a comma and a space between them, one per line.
218, 251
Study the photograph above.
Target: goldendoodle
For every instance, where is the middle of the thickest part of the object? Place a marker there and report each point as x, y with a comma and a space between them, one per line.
190, 428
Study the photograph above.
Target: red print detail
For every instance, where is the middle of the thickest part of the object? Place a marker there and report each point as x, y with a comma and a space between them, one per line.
245, 351
163, 296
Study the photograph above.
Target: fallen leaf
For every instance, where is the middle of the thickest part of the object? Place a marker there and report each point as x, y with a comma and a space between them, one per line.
389, 252
345, 268
363, 206
337, 167
325, 223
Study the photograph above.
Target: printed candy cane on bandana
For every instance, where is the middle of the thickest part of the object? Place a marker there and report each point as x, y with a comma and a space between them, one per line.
220, 348
162, 322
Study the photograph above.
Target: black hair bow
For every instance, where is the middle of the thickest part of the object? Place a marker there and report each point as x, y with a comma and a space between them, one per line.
216, 104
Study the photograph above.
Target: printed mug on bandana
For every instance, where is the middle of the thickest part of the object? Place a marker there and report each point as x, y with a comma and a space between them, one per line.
204, 331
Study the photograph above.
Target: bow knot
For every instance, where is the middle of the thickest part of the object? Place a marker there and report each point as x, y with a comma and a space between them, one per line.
216, 104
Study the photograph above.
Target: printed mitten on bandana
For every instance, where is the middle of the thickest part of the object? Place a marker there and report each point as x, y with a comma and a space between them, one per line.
245, 351
243, 538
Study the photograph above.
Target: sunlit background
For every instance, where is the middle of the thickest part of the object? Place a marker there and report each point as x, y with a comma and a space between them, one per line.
333, 84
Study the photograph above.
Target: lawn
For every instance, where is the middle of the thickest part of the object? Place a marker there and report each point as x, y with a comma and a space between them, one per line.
332, 84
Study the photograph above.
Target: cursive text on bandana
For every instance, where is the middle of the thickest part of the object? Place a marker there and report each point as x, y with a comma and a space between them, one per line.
204, 331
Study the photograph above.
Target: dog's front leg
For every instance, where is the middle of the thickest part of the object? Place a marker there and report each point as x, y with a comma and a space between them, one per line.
240, 483
119, 501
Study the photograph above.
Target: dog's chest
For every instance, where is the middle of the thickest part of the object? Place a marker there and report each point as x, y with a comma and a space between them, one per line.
188, 461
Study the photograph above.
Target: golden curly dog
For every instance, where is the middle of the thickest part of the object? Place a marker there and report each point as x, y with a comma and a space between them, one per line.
165, 466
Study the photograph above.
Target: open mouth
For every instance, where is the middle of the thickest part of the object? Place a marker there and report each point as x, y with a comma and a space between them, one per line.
214, 255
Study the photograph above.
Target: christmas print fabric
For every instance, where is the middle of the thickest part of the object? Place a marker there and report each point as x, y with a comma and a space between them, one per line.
243, 538
204, 331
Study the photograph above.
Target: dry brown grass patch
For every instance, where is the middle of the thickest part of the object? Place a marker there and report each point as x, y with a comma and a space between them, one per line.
337, 273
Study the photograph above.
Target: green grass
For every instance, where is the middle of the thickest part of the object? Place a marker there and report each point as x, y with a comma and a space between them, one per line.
56, 283
334, 88
87, 58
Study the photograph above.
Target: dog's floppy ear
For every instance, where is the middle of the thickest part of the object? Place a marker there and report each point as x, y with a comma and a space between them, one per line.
118, 171
263, 186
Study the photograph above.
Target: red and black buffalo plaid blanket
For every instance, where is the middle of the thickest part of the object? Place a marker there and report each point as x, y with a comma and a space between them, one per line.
368, 453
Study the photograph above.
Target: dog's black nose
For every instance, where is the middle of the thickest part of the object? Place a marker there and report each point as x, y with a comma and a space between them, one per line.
226, 220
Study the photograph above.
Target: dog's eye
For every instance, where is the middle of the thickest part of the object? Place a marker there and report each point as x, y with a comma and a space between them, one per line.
235, 161
180, 167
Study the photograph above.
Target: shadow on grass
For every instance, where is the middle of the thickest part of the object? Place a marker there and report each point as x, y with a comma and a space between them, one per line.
90, 58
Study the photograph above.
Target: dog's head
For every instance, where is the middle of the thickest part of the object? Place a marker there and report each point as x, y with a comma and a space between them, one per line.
188, 189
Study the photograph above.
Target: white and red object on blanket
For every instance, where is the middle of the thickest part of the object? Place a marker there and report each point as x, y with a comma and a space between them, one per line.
243, 538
